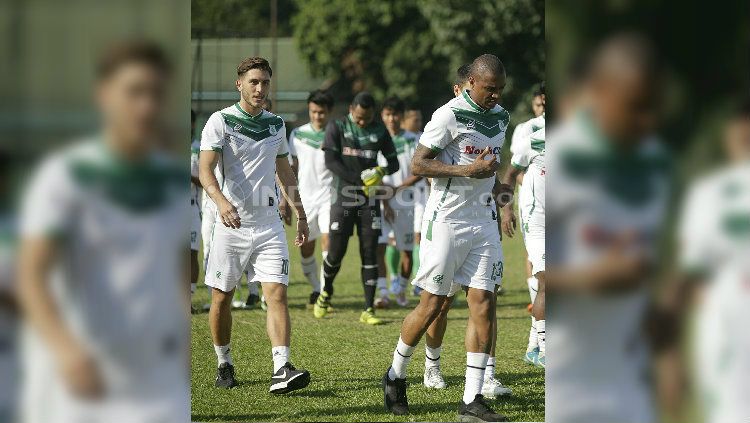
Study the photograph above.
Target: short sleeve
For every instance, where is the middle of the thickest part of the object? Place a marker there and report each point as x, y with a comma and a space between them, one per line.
48, 202
521, 150
283, 145
440, 131
694, 224
212, 137
520, 133
292, 147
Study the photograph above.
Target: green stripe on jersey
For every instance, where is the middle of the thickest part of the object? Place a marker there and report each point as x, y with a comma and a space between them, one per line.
312, 138
488, 124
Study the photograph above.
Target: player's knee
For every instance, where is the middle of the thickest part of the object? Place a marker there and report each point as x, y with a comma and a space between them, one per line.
275, 294
540, 276
221, 298
431, 305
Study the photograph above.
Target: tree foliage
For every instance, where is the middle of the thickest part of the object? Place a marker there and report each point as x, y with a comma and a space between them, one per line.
239, 18
412, 48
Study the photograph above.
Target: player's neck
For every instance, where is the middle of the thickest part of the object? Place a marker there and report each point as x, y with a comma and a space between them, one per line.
317, 127
249, 108
124, 148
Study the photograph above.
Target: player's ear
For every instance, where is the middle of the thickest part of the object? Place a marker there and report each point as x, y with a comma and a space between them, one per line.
238, 84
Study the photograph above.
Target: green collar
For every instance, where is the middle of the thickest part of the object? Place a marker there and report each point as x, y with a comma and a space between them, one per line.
471, 102
246, 113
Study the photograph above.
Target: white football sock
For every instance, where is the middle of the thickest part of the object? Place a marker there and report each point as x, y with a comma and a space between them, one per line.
475, 366
381, 284
489, 371
431, 356
401, 358
533, 336
223, 354
310, 270
541, 335
280, 357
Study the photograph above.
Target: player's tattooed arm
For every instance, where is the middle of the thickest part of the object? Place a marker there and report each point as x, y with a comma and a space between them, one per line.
424, 164
285, 173
227, 212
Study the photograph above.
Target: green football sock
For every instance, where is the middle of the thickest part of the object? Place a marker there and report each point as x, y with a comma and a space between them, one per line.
392, 259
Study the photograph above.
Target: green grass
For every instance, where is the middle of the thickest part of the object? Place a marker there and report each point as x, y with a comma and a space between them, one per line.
347, 359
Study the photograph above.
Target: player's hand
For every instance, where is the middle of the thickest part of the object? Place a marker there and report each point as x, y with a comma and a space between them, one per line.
509, 222
388, 213
228, 215
303, 232
481, 168
371, 179
286, 211
81, 373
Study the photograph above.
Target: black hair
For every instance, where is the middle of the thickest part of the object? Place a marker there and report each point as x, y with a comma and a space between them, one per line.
487, 63
364, 100
540, 91
321, 98
462, 74
395, 104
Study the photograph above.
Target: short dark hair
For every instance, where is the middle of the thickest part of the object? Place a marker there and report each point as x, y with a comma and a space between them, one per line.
321, 98
487, 63
129, 52
254, 63
540, 91
394, 103
364, 100
462, 74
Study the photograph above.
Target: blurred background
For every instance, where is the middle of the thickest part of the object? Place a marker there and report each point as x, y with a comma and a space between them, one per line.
406, 48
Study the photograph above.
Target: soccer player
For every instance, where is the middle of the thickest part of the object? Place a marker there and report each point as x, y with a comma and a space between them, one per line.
607, 199
315, 183
528, 157
412, 122
397, 208
433, 377
102, 260
519, 142
195, 210
249, 146
459, 151
351, 149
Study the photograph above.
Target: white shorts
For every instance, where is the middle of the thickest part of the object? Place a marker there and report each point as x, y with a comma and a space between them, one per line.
453, 254
401, 229
533, 238
318, 221
208, 219
418, 213
195, 226
261, 250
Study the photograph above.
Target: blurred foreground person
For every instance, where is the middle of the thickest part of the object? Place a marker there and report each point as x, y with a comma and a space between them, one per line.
605, 208
102, 266
8, 305
714, 237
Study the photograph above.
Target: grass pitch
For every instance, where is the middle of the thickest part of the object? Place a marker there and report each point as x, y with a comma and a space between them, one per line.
347, 359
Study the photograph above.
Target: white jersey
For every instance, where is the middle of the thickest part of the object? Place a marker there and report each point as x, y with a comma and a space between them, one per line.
596, 194
246, 171
119, 278
195, 191
528, 154
314, 179
405, 143
715, 225
460, 130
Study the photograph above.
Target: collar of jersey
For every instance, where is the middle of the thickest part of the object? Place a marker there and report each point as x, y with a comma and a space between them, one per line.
237, 104
471, 102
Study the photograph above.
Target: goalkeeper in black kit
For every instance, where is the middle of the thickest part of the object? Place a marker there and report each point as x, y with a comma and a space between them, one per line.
351, 150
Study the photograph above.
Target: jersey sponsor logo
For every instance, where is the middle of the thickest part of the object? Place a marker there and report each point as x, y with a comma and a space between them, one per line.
357, 152
472, 149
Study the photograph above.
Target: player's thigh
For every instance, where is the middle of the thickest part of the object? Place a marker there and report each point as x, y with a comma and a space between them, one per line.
369, 229
340, 229
444, 247
269, 261
230, 253
483, 266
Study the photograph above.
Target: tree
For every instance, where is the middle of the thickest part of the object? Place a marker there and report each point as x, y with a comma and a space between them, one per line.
412, 49
239, 18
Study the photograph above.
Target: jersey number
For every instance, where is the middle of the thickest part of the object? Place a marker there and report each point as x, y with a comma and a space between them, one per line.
284, 266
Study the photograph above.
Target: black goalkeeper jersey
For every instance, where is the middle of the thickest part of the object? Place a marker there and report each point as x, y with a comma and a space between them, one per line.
350, 149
